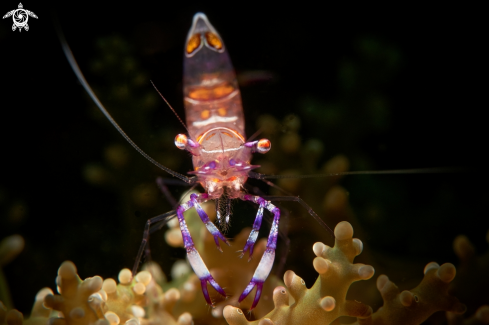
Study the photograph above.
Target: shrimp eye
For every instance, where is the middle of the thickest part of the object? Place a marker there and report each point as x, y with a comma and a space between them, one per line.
263, 146
213, 41
181, 141
193, 44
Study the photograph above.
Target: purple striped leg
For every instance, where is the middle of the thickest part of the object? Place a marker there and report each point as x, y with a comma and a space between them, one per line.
193, 255
196, 199
250, 242
266, 262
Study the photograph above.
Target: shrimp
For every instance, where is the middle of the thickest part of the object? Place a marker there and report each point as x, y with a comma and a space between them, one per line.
220, 154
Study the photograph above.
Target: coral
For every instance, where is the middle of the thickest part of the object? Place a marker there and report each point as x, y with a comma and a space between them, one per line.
94, 301
326, 300
480, 317
472, 282
10, 247
141, 300
416, 305
76, 301
38, 316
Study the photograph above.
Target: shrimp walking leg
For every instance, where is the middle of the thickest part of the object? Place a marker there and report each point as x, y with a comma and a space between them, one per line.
193, 255
250, 243
194, 198
266, 262
283, 235
147, 230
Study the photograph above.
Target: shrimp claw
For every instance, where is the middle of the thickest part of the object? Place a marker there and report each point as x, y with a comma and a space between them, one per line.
194, 198
266, 262
193, 255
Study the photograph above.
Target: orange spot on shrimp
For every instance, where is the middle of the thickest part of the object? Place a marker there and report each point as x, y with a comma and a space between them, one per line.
213, 40
221, 111
230, 179
200, 93
223, 90
193, 43
205, 114
210, 93
210, 136
239, 135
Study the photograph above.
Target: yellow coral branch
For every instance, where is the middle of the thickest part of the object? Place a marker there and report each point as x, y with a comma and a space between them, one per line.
326, 300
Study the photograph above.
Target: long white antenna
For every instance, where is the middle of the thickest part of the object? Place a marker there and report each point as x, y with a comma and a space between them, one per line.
81, 78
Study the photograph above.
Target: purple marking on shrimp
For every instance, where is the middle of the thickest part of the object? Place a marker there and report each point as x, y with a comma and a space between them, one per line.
202, 196
187, 238
272, 237
211, 165
193, 255
259, 277
192, 143
250, 242
203, 284
266, 261
247, 290
232, 162
216, 286
208, 223
213, 283
250, 144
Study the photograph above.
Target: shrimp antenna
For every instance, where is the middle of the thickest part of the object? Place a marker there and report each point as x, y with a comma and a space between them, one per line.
365, 172
81, 78
167, 103
254, 135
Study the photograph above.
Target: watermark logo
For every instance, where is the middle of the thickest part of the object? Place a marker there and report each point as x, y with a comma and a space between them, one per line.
20, 17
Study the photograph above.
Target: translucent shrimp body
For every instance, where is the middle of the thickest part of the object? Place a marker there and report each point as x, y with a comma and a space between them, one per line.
214, 113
